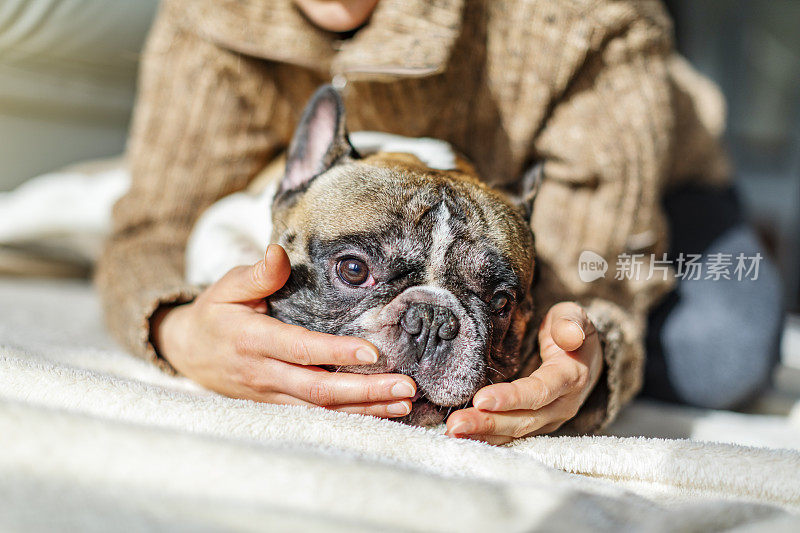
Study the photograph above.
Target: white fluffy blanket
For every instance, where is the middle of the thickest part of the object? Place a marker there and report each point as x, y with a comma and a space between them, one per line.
93, 439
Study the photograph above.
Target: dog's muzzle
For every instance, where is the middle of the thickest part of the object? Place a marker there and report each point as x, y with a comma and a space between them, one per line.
427, 325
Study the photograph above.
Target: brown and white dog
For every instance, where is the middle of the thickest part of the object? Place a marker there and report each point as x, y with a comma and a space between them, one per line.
431, 265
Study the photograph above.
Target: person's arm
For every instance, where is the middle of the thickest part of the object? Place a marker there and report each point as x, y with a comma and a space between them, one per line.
206, 121
606, 147
196, 136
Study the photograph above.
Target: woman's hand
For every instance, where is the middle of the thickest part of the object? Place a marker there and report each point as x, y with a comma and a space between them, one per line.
572, 359
225, 342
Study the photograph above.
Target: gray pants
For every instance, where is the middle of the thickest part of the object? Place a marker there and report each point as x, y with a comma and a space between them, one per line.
713, 343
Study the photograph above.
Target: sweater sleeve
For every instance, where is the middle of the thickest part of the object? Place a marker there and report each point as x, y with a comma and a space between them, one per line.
204, 125
606, 146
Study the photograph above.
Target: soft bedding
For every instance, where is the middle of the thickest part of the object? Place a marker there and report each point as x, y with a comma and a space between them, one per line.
93, 438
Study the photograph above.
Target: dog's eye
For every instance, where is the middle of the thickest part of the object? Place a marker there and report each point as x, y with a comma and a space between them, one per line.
500, 303
352, 271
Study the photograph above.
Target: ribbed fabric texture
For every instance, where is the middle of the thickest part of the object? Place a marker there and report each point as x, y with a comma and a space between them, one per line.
592, 88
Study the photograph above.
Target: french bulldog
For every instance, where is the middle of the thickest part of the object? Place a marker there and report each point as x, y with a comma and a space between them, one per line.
431, 265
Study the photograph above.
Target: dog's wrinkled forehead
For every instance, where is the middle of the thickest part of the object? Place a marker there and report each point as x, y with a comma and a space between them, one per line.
398, 207
331, 194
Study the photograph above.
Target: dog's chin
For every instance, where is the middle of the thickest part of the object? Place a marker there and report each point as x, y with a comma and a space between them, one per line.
424, 413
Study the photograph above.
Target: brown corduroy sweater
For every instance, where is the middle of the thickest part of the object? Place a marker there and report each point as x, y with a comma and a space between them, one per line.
590, 87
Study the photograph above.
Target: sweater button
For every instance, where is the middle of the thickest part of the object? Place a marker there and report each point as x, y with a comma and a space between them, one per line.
339, 82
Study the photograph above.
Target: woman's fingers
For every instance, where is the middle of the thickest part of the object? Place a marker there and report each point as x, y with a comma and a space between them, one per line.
514, 424
540, 403
382, 409
569, 326
320, 387
549, 382
573, 337
390, 409
248, 283
270, 397
494, 440
265, 336
549, 428
230, 346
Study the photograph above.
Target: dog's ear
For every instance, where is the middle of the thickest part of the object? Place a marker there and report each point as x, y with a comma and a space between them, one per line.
528, 188
320, 140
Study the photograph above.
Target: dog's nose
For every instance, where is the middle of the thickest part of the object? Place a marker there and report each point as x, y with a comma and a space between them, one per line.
421, 318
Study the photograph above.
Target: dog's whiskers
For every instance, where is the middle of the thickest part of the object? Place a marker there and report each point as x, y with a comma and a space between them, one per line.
493, 369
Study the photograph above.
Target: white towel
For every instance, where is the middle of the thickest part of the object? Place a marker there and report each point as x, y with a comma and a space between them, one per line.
93, 439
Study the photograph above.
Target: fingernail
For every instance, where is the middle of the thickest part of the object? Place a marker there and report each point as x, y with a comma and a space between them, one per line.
401, 389
367, 355
580, 328
461, 428
272, 249
399, 408
485, 404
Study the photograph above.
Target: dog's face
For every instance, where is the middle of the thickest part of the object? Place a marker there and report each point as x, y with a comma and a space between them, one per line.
433, 267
